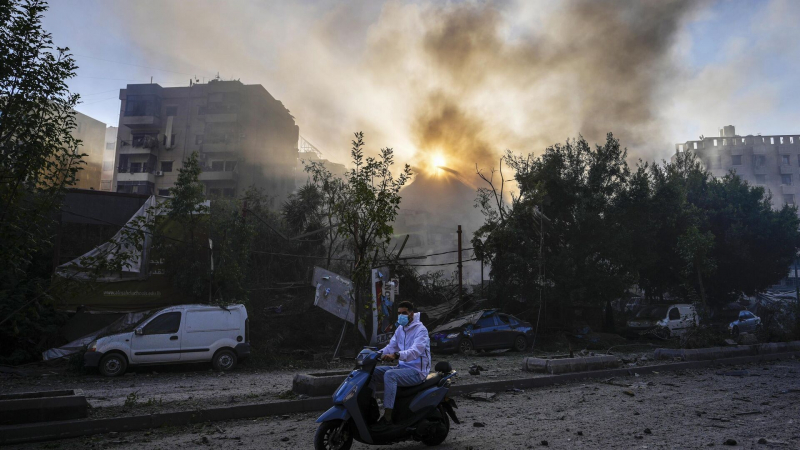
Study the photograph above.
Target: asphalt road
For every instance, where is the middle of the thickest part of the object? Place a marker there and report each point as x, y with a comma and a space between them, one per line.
692, 409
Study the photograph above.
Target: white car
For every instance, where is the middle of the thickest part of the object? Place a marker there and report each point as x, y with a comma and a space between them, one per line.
665, 320
178, 334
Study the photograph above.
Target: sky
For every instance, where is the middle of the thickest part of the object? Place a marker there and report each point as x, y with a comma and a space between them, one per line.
459, 82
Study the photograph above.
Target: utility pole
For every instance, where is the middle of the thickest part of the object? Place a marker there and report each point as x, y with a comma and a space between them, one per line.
481, 278
460, 285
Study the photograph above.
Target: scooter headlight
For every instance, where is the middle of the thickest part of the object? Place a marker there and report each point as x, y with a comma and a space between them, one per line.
351, 394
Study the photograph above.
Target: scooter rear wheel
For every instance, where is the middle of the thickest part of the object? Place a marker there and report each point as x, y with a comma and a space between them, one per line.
326, 437
439, 437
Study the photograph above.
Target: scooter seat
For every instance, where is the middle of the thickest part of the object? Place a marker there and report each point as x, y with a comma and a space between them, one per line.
431, 381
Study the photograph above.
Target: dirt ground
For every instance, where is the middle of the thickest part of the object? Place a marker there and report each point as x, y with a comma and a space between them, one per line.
173, 388
689, 409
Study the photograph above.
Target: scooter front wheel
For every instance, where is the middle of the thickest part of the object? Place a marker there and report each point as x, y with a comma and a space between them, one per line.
333, 435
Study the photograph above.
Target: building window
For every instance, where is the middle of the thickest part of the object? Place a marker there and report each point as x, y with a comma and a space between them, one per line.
163, 192
172, 111
680, 148
198, 139
724, 142
788, 199
166, 166
111, 145
791, 139
217, 166
736, 160
761, 179
759, 160
781, 139
214, 192
695, 145
230, 166
786, 180
142, 105
785, 160
715, 142
136, 167
772, 140
229, 192
743, 141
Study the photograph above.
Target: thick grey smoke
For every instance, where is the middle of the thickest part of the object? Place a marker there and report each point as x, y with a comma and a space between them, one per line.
456, 81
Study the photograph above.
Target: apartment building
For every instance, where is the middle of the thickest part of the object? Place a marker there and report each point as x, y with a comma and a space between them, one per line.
91, 132
768, 161
109, 156
243, 136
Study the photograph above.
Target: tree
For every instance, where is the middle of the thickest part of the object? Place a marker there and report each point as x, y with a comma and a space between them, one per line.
365, 209
39, 158
570, 193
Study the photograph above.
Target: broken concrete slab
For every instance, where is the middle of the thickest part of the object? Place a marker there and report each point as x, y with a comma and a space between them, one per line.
31, 407
318, 384
538, 365
566, 365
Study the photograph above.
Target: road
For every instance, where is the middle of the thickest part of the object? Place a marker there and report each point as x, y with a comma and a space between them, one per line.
690, 409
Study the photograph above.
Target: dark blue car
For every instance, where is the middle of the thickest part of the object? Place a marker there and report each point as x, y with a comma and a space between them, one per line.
487, 329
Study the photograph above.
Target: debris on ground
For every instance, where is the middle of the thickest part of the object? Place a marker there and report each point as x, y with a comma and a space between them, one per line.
482, 396
475, 369
734, 373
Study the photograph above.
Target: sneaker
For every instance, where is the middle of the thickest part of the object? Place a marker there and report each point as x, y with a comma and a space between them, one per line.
382, 424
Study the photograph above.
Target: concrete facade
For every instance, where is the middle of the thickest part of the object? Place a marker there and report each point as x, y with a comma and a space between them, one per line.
243, 136
91, 132
109, 156
768, 161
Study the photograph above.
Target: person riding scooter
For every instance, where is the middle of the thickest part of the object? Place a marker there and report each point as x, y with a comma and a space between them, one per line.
410, 344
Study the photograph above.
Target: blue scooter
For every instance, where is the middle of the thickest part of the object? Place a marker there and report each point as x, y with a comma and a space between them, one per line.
420, 412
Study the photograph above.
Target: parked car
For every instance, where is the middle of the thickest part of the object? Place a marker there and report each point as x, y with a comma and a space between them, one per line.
178, 334
664, 321
482, 330
746, 323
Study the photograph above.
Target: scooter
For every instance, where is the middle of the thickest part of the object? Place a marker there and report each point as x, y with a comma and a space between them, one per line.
420, 412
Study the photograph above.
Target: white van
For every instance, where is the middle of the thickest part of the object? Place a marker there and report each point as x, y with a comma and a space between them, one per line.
178, 334
665, 321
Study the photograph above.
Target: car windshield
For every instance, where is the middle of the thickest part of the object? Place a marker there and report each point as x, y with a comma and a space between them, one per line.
652, 312
458, 322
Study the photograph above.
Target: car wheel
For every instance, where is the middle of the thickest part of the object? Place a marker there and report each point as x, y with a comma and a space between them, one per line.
113, 365
663, 333
520, 344
735, 332
465, 346
224, 360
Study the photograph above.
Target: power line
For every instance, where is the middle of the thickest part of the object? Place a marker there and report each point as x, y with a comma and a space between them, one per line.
103, 100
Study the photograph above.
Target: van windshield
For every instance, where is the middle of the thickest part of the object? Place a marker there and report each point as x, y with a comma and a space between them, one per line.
653, 312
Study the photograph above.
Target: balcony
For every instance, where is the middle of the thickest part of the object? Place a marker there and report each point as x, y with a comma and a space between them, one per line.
788, 189
760, 169
128, 147
786, 169
136, 176
759, 149
219, 147
139, 122
219, 175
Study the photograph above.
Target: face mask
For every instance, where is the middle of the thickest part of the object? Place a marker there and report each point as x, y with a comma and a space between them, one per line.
402, 320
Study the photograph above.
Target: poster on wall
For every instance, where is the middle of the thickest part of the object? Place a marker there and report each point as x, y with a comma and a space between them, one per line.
383, 316
334, 293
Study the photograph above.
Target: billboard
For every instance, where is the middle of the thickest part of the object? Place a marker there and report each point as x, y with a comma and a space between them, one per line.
335, 295
383, 315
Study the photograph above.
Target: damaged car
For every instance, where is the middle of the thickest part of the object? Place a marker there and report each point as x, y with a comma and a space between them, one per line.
486, 329
747, 322
664, 321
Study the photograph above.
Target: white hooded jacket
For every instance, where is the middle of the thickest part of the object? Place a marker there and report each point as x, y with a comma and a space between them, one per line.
411, 342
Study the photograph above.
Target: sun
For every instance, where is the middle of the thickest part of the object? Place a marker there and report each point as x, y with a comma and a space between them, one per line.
438, 161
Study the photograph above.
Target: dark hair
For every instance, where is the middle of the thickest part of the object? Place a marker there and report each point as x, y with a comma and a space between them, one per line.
406, 304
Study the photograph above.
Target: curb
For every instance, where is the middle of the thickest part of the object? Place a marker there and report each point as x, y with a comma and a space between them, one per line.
46, 431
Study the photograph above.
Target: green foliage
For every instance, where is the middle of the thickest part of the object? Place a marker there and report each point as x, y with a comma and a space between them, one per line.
39, 158
363, 207
672, 229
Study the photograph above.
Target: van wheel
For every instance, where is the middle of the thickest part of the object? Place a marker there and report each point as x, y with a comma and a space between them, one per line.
224, 360
113, 365
520, 344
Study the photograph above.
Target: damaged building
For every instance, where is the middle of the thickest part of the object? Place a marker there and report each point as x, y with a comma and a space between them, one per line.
243, 136
92, 133
768, 161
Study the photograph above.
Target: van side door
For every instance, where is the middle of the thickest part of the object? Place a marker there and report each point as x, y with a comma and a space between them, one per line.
206, 331
160, 340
